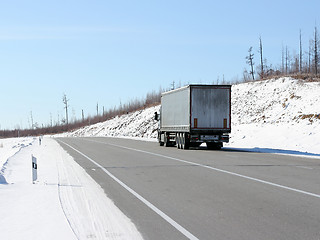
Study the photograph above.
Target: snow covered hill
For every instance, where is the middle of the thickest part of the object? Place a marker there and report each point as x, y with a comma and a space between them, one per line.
276, 115
139, 124
284, 100
271, 115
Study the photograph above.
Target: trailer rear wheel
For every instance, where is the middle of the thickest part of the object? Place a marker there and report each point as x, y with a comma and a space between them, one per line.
178, 140
185, 141
166, 140
159, 139
182, 141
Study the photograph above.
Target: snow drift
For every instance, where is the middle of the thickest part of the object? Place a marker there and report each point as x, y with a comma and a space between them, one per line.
64, 203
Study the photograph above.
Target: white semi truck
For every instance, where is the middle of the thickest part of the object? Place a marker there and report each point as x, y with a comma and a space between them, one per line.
195, 114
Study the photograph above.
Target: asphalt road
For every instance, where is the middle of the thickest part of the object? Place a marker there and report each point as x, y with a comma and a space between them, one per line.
200, 194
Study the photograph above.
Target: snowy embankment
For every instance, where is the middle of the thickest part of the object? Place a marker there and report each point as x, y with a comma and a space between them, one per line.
64, 203
139, 125
9, 147
277, 115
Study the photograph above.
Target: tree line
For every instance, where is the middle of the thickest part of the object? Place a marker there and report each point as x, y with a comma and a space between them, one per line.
305, 63
151, 98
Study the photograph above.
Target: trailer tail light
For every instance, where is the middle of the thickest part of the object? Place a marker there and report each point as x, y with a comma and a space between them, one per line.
195, 122
194, 137
225, 123
225, 138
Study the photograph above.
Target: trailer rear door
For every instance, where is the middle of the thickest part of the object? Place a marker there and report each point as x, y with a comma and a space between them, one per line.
211, 107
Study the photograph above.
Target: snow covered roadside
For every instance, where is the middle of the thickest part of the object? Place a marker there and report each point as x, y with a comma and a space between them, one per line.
65, 202
280, 139
10, 146
139, 125
277, 115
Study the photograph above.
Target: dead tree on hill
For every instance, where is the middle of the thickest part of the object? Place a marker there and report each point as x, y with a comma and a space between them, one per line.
316, 50
250, 62
65, 102
300, 60
282, 60
261, 59
97, 109
309, 58
287, 58
31, 117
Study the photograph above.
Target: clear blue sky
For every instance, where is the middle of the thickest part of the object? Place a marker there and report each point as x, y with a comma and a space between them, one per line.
111, 51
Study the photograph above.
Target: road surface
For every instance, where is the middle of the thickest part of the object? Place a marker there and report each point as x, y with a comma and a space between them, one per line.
199, 194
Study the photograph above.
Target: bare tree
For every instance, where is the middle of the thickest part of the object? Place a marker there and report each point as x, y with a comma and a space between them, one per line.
58, 121
51, 119
173, 85
296, 64
261, 59
218, 80
315, 50
282, 60
65, 102
97, 109
250, 61
309, 58
300, 55
31, 117
287, 58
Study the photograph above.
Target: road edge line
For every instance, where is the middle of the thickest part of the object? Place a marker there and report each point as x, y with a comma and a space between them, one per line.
173, 223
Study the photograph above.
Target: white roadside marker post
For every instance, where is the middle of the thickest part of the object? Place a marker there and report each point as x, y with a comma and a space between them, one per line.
34, 169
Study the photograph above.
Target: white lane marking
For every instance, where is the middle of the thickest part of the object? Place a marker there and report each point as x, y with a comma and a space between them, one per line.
305, 167
215, 169
142, 199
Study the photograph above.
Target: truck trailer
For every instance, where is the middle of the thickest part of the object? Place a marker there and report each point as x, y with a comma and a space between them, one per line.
195, 114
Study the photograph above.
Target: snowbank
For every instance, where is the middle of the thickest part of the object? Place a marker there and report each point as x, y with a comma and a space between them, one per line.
65, 202
9, 147
279, 113
276, 101
139, 124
